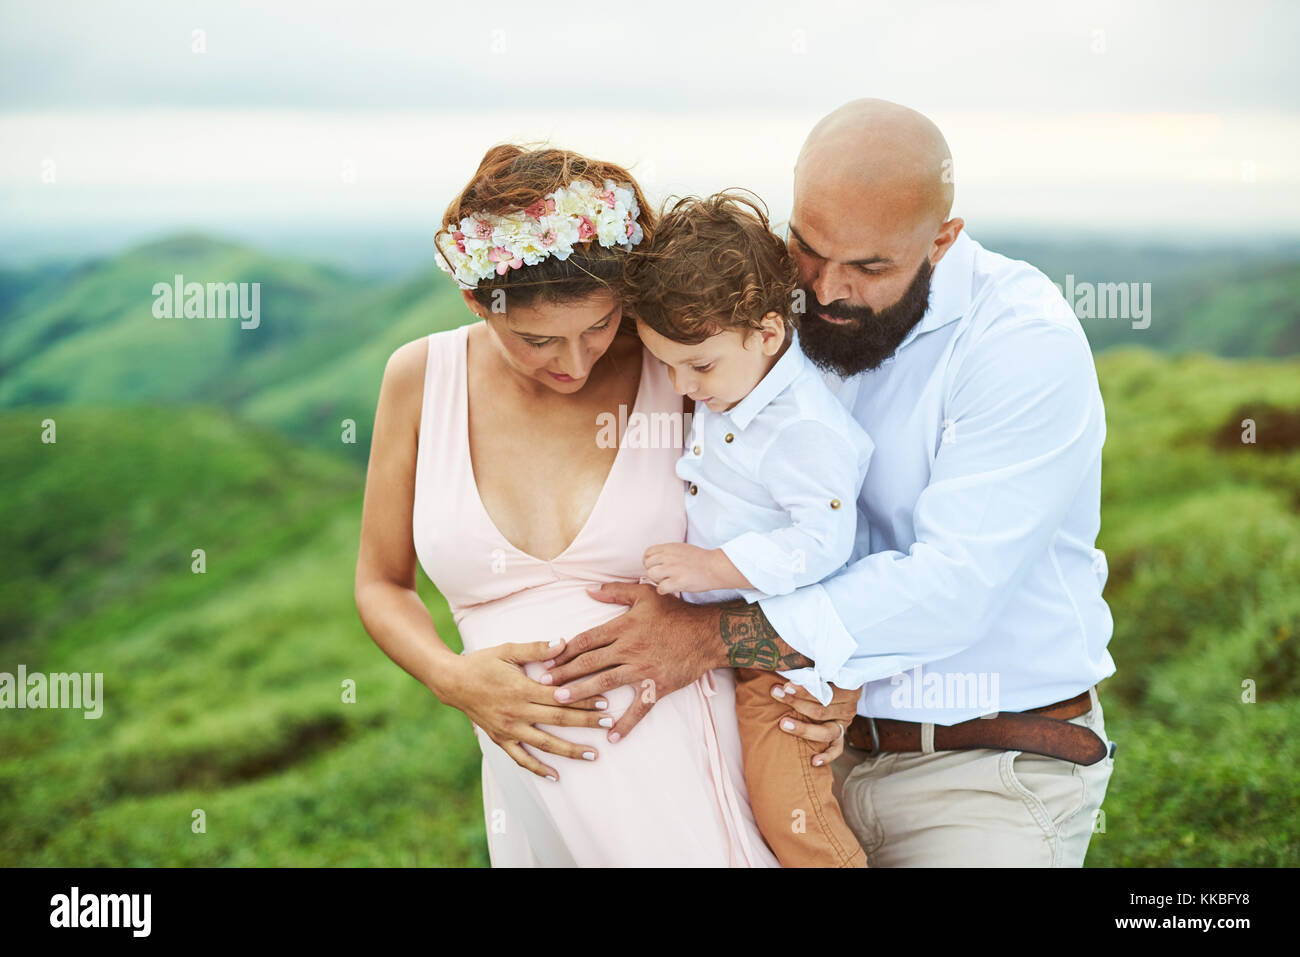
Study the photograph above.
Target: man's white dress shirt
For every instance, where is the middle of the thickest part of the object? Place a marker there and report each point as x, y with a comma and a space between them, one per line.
773, 480
975, 562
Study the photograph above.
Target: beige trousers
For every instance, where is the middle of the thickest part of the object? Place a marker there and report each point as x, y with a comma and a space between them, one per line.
977, 808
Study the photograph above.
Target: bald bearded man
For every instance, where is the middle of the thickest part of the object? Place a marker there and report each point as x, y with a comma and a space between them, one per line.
971, 612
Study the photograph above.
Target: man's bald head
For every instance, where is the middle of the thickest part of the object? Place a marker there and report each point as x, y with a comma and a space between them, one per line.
872, 195
882, 152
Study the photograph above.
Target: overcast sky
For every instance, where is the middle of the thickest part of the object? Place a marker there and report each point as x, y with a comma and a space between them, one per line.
1160, 118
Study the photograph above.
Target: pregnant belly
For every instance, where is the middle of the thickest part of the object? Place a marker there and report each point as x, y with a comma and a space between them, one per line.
561, 610
670, 794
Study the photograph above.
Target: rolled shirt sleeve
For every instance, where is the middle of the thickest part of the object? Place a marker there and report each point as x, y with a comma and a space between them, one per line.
814, 474
1025, 423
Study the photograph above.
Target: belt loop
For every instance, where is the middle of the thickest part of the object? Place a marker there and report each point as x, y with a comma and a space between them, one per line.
927, 738
1092, 697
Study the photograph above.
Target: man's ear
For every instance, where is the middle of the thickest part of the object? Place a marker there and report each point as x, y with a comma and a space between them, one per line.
944, 239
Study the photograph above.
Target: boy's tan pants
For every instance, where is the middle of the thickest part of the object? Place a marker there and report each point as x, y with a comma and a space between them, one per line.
792, 800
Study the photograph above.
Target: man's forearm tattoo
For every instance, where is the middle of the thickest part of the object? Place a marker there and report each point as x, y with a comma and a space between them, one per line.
752, 642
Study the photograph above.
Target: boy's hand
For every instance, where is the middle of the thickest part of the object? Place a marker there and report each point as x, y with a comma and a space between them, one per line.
676, 567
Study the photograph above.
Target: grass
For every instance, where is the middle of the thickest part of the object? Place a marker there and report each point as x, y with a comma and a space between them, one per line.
1203, 541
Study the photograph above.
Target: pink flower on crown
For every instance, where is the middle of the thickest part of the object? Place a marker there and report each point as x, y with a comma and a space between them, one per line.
460, 240
504, 259
482, 230
631, 228
586, 228
548, 238
540, 208
608, 197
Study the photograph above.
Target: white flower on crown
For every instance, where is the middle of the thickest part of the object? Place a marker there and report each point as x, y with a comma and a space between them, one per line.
560, 232
487, 243
577, 199
515, 235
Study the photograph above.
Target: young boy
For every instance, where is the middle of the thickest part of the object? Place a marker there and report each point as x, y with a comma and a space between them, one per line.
773, 466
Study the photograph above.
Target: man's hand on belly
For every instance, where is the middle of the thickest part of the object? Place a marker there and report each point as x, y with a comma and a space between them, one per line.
660, 645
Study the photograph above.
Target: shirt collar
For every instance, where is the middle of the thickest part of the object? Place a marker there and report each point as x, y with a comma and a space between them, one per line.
950, 288
785, 371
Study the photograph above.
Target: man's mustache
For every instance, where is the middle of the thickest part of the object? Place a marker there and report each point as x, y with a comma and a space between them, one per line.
842, 311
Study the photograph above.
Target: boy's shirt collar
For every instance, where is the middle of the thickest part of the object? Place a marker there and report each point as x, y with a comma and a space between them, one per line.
777, 380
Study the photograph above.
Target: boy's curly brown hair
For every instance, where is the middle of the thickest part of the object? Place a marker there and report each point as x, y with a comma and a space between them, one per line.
712, 264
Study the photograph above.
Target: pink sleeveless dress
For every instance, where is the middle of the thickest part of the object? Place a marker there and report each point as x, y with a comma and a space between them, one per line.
673, 792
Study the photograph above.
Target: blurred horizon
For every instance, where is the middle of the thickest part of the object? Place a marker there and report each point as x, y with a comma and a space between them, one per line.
312, 120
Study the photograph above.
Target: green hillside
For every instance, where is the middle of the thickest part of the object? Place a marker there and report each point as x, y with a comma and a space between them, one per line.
1202, 534
222, 690
124, 495
342, 382
87, 334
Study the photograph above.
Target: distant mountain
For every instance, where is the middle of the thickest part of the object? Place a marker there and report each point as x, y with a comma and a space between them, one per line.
315, 356
1226, 301
91, 334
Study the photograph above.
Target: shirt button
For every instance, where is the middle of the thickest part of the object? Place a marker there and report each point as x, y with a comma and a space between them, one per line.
696, 450
835, 503
694, 488
729, 437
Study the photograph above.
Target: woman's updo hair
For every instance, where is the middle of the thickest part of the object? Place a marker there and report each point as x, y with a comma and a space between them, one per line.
511, 178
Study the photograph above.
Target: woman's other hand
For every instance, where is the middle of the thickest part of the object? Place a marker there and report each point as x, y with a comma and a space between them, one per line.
818, 723
490, 687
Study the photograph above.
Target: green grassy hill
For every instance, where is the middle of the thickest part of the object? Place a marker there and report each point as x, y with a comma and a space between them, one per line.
88, 335
1202, 534
222, 690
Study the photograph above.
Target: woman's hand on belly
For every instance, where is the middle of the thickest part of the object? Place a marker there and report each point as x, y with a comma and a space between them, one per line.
490, 687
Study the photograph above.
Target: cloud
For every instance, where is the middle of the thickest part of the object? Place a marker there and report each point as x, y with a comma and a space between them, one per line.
1022, 56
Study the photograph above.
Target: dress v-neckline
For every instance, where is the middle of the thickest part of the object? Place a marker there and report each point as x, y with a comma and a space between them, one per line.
469, 458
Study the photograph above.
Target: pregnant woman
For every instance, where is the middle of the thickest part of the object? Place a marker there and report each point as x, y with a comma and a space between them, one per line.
495, 461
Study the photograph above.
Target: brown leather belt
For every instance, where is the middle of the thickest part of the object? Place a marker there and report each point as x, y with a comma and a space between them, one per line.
1044, 730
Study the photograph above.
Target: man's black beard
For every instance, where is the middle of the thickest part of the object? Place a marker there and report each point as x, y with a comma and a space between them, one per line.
871, 337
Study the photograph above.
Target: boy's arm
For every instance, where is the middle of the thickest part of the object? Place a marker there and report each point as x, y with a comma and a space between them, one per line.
812, 472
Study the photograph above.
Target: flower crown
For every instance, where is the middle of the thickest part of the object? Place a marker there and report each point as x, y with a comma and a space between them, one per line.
486, 243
